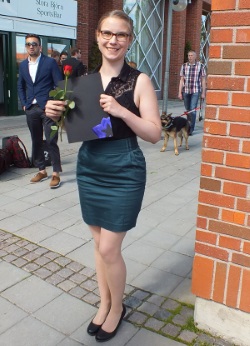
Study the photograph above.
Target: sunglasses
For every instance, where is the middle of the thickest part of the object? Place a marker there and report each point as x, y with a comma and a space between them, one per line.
33, 44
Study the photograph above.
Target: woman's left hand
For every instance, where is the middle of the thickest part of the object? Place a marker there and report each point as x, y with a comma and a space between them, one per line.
111, 106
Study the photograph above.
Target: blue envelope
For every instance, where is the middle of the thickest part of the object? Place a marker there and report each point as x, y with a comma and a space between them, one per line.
87, 121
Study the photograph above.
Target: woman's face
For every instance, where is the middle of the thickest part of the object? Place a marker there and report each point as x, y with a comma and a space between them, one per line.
115, 47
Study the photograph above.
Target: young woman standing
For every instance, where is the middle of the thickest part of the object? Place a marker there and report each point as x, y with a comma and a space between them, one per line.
111, 173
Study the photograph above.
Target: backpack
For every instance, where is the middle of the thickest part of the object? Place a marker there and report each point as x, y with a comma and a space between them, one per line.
19, 156
5, 160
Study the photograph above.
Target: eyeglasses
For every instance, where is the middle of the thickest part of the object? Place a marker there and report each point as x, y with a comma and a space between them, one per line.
120, 36
33, 44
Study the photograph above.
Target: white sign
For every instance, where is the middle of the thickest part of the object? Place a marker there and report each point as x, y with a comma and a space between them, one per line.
53, 11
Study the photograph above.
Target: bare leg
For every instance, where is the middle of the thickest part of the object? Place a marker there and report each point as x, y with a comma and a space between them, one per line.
101, 279
111, 276
115, 270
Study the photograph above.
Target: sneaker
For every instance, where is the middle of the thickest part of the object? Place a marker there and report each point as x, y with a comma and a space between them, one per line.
39, 177
55, 182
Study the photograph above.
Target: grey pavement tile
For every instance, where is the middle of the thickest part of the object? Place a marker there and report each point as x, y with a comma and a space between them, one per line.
178, 223
142, 252
148, 308
84, 255
7, 186
146, 338
31, 294
184, 246
183, 292
157, 281
187, 336
4, 215
11, 275
9, 315
15, 207
75, 211
139, 231
21, 180
9, 175
14, 223
69, 342
65, 313
62, 243
37, 213
31, 332
37, 232
191, 234
155, 299
153, 323
161, 239
128, 240
6, 199
60, 203
174, 263
60, 221
125, 333
134, 269
161, 211
155, 217
18, 193
41, 193
79, 230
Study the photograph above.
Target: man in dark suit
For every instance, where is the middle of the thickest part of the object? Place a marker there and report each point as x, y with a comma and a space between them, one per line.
38, 74
78, 68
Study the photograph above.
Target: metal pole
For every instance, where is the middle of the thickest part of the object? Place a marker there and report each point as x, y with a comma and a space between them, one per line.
168, 48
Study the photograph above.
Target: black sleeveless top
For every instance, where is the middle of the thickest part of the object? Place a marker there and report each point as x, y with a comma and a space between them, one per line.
122, 89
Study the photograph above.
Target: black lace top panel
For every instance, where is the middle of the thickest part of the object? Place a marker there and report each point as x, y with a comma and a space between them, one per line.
122, 89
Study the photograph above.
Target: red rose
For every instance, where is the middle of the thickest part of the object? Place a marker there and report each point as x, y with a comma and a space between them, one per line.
67, 70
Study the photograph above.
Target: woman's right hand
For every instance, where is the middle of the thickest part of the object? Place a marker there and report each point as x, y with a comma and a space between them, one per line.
55, 108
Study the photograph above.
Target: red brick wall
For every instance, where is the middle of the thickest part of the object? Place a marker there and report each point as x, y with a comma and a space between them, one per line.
221, 270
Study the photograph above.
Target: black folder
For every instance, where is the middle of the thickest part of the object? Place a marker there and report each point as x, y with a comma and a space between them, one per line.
87, 121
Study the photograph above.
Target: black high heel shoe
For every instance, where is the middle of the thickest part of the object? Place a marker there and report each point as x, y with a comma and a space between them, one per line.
103, 336
93, 328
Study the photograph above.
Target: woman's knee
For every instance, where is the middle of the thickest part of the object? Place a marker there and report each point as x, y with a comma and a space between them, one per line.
109, 254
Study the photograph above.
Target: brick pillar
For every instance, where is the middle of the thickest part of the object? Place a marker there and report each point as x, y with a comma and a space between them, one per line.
193, 30
177, 52
221, 270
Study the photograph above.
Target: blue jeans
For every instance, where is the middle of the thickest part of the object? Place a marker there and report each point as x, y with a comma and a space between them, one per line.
190, 102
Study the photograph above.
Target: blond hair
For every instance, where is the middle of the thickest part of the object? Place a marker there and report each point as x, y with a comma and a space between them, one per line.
119, 14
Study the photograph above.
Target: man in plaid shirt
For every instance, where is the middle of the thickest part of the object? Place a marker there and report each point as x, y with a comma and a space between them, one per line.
192, 86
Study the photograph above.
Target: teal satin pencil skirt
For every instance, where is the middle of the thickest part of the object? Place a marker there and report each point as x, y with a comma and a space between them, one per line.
111, 177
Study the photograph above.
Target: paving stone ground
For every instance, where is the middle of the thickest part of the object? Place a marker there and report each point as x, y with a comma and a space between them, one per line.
161, 315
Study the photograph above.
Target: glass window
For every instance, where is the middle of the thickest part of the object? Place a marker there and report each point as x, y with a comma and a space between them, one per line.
56, 46
146, 49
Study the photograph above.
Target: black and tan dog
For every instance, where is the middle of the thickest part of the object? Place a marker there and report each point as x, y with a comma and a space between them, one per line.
173, 126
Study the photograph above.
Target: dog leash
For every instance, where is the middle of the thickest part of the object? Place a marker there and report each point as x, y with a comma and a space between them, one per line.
192, 110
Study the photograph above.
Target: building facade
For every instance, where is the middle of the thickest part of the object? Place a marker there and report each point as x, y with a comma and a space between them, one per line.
65, 23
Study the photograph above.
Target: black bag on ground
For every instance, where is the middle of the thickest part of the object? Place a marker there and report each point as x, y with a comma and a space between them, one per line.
20, 156
5, 160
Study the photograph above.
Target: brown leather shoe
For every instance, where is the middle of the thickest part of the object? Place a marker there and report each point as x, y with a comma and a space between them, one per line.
55, 182
39, 177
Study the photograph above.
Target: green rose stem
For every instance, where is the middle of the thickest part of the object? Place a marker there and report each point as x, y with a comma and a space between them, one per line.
61, 94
